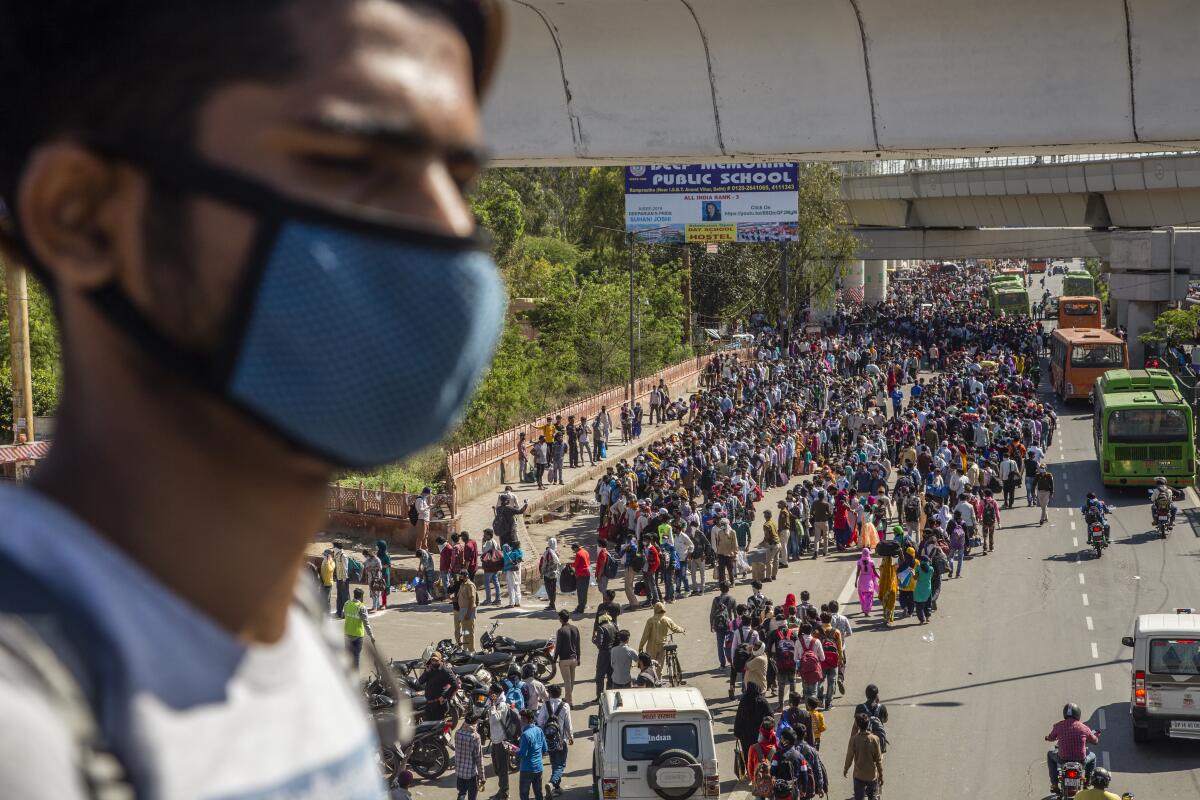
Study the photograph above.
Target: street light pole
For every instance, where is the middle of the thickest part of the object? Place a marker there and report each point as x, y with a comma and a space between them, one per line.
632, 264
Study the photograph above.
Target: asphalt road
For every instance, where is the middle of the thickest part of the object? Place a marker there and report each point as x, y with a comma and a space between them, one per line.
972, 695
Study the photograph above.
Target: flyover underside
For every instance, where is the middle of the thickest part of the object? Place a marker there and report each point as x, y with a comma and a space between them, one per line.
632, 81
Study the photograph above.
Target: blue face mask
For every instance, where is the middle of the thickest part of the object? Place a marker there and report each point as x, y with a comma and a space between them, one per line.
355, 338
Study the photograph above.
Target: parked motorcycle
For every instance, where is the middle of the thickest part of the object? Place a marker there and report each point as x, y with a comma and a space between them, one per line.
428, 754
539, 652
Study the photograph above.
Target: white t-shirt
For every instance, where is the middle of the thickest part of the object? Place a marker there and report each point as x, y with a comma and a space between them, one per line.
201, 714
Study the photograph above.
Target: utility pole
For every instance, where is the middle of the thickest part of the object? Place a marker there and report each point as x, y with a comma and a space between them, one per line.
18, 338
785, 303
687, 295
632, 263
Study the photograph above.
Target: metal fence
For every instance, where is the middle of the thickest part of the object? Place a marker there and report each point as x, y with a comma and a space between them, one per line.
359, 500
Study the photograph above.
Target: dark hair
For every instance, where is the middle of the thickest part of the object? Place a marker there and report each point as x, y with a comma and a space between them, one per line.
554, 691
872, 691
138, 71
358, 594
862, 721
564, 617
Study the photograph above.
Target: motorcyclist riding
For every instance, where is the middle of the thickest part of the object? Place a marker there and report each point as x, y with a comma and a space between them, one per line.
1072, 738
1161, 497
1096, 510
1101, 778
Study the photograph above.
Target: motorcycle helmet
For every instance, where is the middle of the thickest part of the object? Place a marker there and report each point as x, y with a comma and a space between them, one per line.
1160, 480
528, 671
1091, 496
1101, 778
1070, 711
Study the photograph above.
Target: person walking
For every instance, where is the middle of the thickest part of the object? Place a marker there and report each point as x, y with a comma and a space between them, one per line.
697, 562
1010, 476
583, 576
654, 635
721, 614
923, 593
623, 658
605, 639
725, 543
385, 562
603, 557
1045, 491
867, 580
567, 651
864, 754
771, 542
468, 758
554, 718
341, 577
541, 459
531, 750
466, 608
548, 567
504, 726
821, 516
512, 573
811, 657
989, 518
491, 559
424, 508
753, 708
888, 589
356, 626
372, 576
328, 568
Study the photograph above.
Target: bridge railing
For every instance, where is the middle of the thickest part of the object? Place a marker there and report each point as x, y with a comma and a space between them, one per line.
866, 169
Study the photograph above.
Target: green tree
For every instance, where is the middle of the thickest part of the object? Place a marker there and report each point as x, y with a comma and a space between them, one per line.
1173, 327
499, 209
44, 350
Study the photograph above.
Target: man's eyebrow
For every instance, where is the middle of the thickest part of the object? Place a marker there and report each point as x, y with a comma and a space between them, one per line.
400, 136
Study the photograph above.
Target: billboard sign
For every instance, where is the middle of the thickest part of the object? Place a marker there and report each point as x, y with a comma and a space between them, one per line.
712, 203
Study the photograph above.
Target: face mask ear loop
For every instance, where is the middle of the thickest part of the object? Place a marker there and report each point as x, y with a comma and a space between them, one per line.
255, 264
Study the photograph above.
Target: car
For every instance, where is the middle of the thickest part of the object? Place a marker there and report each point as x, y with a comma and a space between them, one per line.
654, 742
1165, 681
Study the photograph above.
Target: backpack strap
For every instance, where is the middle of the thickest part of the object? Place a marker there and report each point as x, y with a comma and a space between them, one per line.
101, 772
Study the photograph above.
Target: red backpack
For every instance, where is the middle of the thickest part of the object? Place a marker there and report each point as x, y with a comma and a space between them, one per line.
832, 660
810, 665
785, 652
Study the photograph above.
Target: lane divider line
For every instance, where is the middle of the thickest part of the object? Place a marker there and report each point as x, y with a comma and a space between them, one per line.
1081, 579
1099, 683
1102, 720
1090, 626
1095, 651
1085, 600
1070, 512
1072, 524
1104, 760
1074, 541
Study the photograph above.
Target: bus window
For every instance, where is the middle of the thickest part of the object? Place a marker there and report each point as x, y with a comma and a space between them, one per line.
1079, 308
1149, 425
1104, 355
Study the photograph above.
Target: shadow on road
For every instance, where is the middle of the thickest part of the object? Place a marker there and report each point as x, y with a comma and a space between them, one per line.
1159, 755
1090, 666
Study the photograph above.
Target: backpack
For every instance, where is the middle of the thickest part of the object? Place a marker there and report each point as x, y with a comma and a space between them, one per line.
512, 725
762, 781
412, 514
785, 654
638, 561
721, 620
832, 659
876, 724
1162, 501
742, 656
513, 694
492, 560
611, 567
552, 730
1045, 481
989, 512
458, 559
810, 666
912, 509
567, 580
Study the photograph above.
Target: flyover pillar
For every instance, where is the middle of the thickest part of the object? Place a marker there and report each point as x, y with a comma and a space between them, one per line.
852, 283
1141, 315
875, 282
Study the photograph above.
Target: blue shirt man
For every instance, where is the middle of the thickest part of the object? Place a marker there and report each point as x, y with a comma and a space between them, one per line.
530, 752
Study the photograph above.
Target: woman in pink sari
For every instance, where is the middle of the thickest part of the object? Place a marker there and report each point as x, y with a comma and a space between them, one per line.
868, 581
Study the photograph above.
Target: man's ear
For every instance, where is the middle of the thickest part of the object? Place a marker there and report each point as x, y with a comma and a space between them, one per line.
80, 214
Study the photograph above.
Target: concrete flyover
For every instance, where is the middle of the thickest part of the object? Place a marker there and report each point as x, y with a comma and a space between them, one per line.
634, 81
1147, 192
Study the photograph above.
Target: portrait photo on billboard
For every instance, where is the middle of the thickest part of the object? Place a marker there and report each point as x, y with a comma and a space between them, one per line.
710, 211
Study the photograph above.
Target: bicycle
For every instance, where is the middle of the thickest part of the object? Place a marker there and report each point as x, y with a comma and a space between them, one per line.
672, 672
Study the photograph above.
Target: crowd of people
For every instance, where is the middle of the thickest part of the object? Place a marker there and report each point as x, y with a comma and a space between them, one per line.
899, 432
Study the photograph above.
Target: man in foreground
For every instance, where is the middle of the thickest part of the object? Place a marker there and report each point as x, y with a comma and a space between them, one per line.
224, 198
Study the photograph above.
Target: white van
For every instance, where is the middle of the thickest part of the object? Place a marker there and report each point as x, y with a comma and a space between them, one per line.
654, 743
1165, 691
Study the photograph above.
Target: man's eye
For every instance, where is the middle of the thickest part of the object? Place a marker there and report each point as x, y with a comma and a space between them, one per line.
349, 165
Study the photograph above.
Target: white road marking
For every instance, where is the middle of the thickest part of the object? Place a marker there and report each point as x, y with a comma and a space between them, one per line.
1099, 683
1081, 579
1088, 620
1074, 541
1085, 600
1070, 512
1104, 759
847, 591
1102, 720
1072, 524
1095, 651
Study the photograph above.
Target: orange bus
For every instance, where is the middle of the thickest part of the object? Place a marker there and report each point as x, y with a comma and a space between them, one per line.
1079, 312
1037, 265
1078, 356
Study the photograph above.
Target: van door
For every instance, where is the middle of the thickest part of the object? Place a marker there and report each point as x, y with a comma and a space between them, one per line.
642, 741
1173, 682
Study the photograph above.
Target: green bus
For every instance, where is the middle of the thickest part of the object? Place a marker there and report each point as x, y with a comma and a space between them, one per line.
1143, 428
1008, 299
1079, 283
